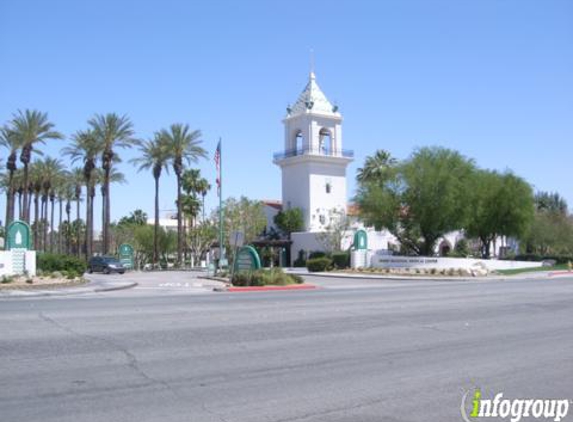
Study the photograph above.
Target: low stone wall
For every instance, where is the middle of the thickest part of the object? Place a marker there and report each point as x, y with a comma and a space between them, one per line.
371, 259
7, 267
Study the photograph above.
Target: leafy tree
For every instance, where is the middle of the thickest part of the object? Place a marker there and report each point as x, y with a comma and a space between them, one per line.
242, 215
111, 131
552, 228
419, 200
336, 229
154, 156
143, 242
290, 221
184, 145
550, 201
201, 237
500, 205
31, 127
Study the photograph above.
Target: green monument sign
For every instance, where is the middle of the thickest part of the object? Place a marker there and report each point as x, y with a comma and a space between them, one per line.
18, 236
360, 240
247, 259
125, 253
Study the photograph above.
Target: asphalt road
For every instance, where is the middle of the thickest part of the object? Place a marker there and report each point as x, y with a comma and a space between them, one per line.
368, 351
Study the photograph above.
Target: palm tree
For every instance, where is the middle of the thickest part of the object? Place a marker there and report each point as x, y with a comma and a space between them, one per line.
51, 175
31, 127
154, 156
111, 131
376, 167
115, 177
203, 186
66, 193
85, 147
184, 146
11, 142
36, 181
77, 181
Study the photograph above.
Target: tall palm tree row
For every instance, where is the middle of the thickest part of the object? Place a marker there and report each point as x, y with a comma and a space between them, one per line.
47, 188
31, 127
154, 155
184, 146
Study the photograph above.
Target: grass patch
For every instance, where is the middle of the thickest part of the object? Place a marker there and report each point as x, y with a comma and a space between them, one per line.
561, 267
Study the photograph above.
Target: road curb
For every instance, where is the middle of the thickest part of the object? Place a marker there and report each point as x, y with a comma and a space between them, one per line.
402, 278
294, 287
114, 288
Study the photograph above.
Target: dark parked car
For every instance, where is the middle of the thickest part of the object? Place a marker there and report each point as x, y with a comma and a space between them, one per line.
105, 264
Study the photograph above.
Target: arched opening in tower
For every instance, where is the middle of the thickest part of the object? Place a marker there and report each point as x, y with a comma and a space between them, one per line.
325, 146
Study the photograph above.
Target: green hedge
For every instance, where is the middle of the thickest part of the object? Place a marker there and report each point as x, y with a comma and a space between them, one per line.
317, 254
54, 262
341, 259
264, 277
318, 264
559, 259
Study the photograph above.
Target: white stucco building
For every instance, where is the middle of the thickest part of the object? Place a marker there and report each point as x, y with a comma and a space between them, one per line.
313, 163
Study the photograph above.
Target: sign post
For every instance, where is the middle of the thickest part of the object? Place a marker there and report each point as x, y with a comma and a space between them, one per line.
126, 255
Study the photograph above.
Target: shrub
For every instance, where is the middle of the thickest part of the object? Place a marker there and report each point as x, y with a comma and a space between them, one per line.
7, 279
242, 278
300, 261
264, 277
296, 278
318, 264
317, 254
47, 262
341, 259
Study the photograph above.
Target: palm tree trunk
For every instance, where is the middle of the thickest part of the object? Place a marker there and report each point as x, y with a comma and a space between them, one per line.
20, 210
52, 226
45, 226
203, 209
60, 246
25, 212
36, 222
156, 228
107, 212
78, 229
179, 223
89, 223
69, 231
10, 200
103, 202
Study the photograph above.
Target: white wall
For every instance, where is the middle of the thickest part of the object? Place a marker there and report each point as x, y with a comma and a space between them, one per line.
6, 267
5, 263
385, 261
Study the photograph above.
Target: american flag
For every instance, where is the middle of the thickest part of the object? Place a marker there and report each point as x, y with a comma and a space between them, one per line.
218, 164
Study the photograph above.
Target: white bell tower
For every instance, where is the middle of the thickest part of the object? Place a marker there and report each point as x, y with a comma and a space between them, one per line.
313, 163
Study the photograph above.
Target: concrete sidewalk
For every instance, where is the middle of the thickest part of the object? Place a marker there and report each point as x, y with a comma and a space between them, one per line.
91, 286
540, 275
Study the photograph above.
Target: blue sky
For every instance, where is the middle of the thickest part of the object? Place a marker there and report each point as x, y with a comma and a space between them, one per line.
490, 78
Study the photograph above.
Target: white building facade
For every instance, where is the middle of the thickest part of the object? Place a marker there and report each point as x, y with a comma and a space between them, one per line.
313, 163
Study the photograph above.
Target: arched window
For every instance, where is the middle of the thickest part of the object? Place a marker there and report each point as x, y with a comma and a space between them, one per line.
298, 143
325, 142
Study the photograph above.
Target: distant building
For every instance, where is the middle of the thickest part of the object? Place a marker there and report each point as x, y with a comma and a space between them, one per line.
168, 221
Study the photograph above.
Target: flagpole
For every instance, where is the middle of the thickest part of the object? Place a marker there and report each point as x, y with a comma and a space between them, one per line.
221, 249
